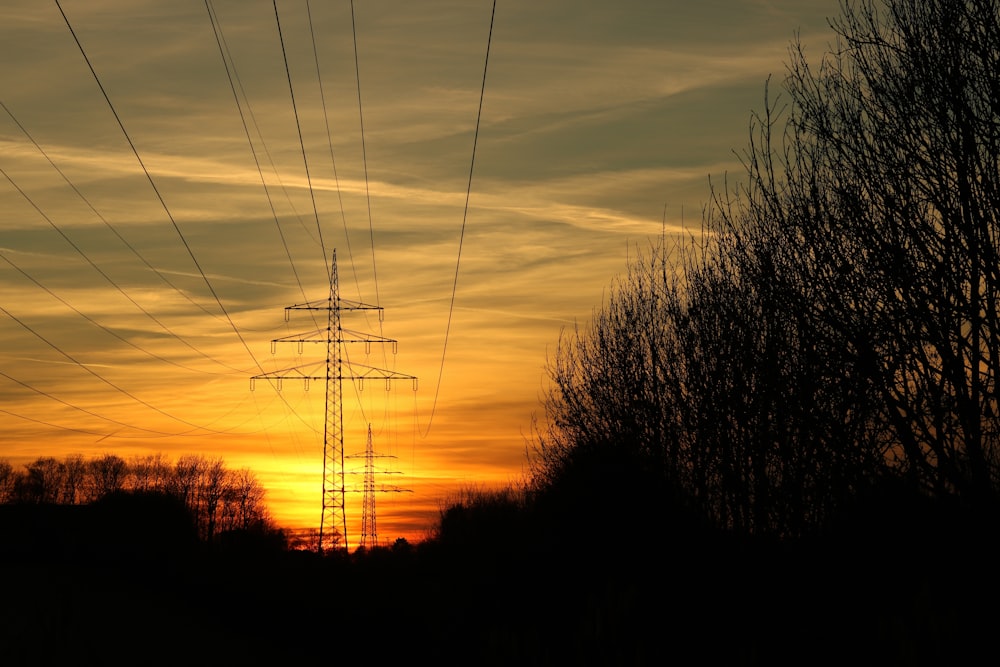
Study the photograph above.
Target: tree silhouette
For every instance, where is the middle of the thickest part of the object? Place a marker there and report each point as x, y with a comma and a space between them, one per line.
217, 499
107, 475
43, 482
836, 324
8, 479
885, 185
149, 473
74, 480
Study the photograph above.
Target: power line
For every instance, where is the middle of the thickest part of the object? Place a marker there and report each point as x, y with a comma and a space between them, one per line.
298, 126
163, 203
120, 289
90, 319
233, 77
46, 394
465, 215
364, 152
87, 368
107, 224
156, 190
111, 281
230, 75
329, 143
368, 199
98, 375
61, 426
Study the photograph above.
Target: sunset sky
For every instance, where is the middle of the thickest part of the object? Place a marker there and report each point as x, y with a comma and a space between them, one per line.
136, 308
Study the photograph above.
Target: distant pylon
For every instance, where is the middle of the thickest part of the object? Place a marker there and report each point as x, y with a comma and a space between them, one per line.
333, 519
369, 529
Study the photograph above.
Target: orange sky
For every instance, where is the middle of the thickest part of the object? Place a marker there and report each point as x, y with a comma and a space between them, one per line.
137, 308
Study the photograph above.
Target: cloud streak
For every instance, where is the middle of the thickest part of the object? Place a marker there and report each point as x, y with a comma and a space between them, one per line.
601, 125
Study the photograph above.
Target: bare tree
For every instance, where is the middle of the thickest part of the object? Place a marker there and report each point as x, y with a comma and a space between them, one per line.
74, 480
212, 490
838, 324
243, 501
43, 482
887, 183
8, 481
185, 480
696, 373
106, 475
149, 473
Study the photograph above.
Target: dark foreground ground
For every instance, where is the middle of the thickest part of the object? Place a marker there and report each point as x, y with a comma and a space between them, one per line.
884, 600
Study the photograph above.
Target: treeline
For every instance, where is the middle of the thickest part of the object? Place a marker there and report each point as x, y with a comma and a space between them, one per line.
831, 340
218, 499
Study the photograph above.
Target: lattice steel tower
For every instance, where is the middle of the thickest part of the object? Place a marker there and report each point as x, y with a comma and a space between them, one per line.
333, 520
369, 528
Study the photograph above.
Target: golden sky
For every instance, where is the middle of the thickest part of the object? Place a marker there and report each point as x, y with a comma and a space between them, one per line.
136, 308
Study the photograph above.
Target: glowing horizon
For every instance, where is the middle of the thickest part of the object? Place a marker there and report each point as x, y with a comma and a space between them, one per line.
134, 318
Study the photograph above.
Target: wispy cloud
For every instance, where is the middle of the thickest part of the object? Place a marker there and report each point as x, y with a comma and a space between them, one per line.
601, 125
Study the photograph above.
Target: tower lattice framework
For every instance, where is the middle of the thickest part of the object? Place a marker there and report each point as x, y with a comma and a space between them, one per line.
336, 368
369, 522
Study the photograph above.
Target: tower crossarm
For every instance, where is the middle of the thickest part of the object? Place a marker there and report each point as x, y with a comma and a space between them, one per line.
345, 336
360, 371
361, 455
382, 488
349, 371
324, 304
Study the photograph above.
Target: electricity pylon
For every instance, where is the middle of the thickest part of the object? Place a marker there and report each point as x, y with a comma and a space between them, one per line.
333, 520
369, 528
